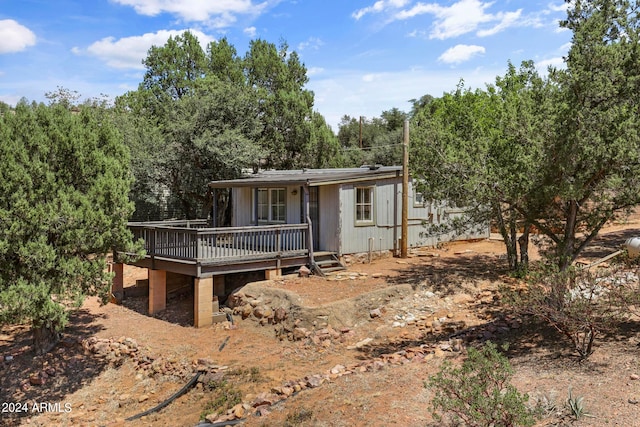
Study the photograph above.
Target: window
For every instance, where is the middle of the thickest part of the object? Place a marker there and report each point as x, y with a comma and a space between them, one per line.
364, 205
419, 201
272, 205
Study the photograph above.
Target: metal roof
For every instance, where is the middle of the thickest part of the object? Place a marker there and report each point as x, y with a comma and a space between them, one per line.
312, 177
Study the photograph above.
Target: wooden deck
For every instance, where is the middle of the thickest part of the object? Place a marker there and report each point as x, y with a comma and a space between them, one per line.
190, 247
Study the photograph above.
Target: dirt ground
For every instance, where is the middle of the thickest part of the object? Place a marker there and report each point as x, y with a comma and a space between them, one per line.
373, 337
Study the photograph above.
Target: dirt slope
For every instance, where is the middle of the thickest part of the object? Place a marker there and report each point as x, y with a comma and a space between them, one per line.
368, 343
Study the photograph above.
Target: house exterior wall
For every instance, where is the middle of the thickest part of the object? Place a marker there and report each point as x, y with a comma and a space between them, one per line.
329, 217
243, 206
338, 231
242, 199
380, 235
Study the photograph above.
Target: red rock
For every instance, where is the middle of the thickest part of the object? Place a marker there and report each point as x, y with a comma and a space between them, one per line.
36, 379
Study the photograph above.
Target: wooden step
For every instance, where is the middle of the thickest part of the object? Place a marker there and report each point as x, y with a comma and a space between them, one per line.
327, 262
331, 269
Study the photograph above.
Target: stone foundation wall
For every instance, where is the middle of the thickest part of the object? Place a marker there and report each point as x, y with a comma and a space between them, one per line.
365, 257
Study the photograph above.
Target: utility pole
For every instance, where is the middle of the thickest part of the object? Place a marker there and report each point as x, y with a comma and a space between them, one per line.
360, 132
405, 192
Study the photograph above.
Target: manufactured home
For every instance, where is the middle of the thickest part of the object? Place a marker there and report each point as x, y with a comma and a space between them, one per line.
353, 210
287, 219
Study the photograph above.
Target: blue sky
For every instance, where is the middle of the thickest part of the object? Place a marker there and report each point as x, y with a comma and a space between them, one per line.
363, 57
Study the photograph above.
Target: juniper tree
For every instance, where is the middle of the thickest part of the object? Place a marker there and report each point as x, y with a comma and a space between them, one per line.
63, 208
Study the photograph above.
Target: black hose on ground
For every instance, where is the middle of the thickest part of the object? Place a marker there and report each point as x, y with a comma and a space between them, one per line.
221, 424
177, 394
226, 340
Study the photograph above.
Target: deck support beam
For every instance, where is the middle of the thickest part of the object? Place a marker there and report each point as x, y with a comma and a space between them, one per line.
157, 291
117, 286
273, 274
203, 302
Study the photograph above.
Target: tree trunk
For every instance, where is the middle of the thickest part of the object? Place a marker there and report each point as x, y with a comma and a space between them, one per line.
509, 240
513, 242
523, 241
45, 337
566, 250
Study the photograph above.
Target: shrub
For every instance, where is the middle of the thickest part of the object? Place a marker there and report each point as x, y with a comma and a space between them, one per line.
579, 304
224, 396
479, 393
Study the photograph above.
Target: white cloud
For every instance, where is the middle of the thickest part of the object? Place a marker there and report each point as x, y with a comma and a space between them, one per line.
417, 33
370, 78
461, 17
15, 37
561, 7
10, 99
460, 53
314, 71
129, 52
378, 7
250, 31
506, 20
197, 10
556, 62
311, 43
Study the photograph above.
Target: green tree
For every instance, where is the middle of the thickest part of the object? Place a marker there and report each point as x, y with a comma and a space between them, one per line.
222, 61
63, 207
212, 132
479, 149
150, 154
373, 141
285, 106
172, 68
190, 101
323, 148
592, 157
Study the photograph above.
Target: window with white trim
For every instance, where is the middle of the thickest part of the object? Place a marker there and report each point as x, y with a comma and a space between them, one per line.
272, 206
364, 205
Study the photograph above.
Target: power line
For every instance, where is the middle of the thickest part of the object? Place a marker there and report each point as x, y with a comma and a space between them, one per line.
371, 148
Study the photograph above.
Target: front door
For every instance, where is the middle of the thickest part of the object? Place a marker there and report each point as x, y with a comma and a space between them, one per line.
314, 213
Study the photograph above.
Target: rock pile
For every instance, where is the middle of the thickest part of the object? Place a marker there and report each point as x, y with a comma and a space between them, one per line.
323, 337
260, 405
116, 351
249, 306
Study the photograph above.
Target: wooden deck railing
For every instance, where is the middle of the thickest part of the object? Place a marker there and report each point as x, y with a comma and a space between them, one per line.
176, 240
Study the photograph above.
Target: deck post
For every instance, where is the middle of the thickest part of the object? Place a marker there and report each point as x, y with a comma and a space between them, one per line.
309, 225
214, 208
152, 246
157, 291
117, 287
198, 246
203, 302
273, 274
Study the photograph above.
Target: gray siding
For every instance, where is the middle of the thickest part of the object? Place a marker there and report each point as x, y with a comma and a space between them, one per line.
242, 199
337, 217
329, 218
362, 238
243, 206
388, 201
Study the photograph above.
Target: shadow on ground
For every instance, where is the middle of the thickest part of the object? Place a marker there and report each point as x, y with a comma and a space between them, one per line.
605, 244
179, 308
446, 274
57, 374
